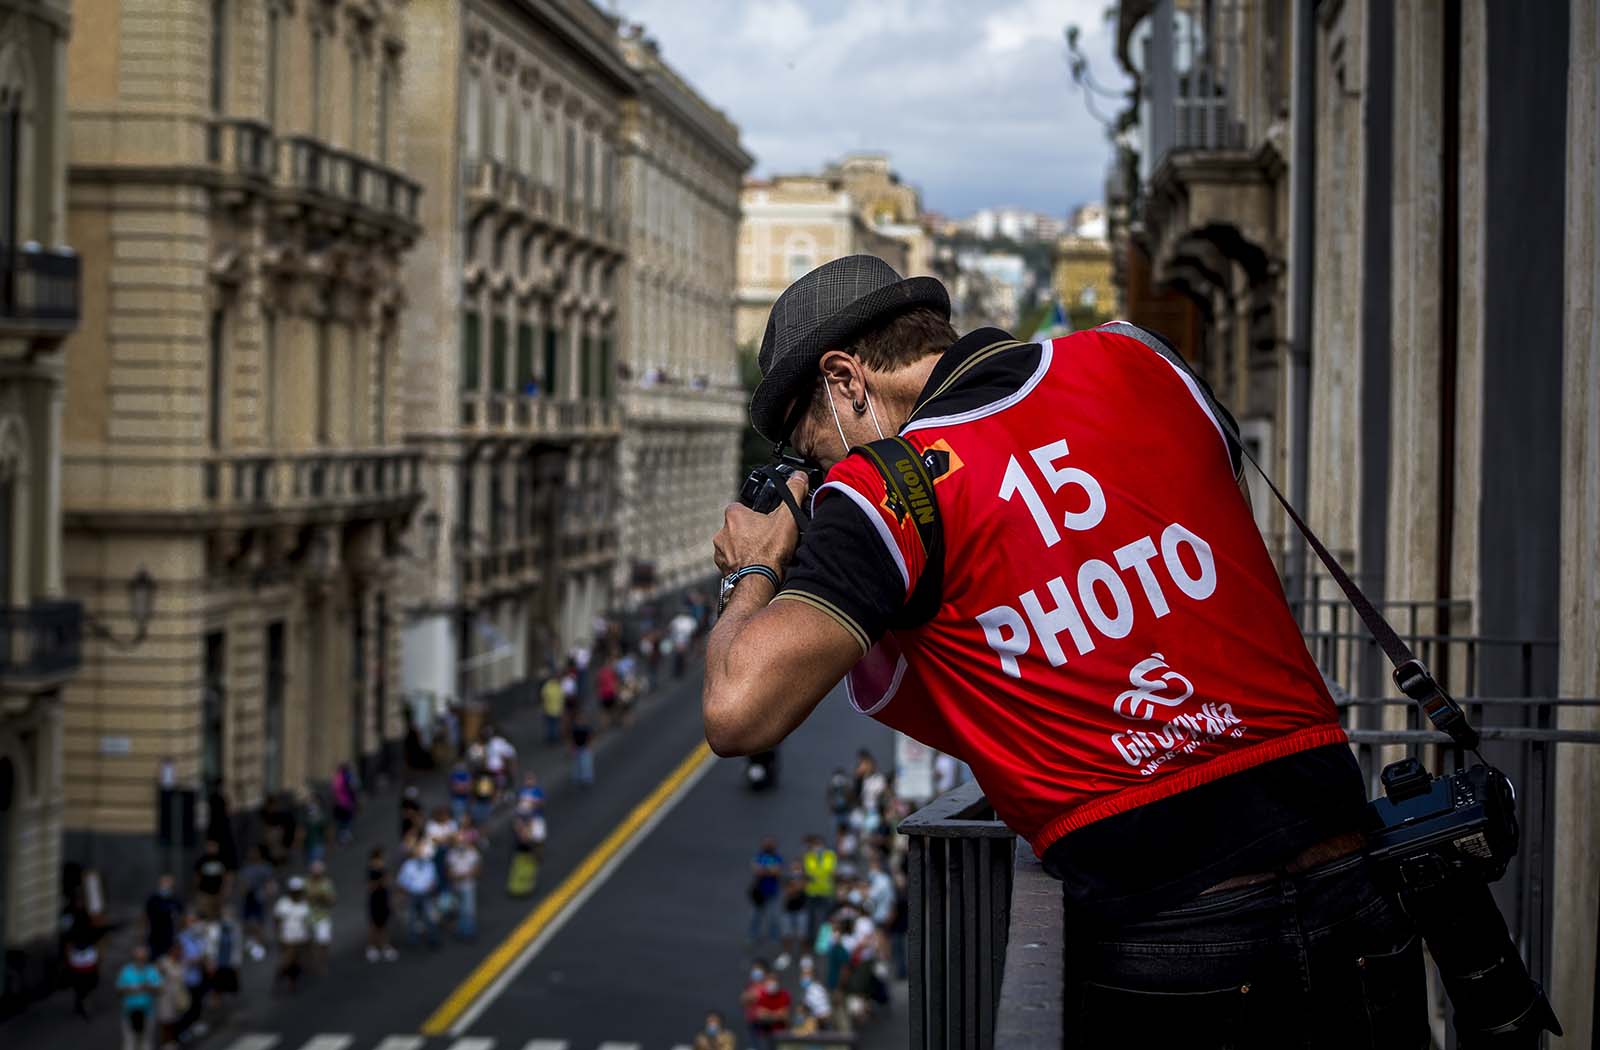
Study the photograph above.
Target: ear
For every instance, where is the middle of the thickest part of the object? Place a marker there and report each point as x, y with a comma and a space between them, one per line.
840, 369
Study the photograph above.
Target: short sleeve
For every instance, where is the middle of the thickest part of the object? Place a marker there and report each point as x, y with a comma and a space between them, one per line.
861, 558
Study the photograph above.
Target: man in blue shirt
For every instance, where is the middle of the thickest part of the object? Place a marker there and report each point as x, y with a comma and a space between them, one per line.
137, 983
766, 870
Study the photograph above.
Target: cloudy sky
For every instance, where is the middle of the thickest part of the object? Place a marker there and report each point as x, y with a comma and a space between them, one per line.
971, 99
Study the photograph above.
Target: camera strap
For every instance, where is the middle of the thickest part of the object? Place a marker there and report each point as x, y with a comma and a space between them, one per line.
1411, 675
910, 490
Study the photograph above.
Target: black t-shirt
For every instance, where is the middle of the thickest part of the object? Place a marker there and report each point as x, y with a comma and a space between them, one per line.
1135, 862
208, 874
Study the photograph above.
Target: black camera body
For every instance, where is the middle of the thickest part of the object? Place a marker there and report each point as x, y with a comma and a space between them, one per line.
1437, 842
760, 489
1427, 829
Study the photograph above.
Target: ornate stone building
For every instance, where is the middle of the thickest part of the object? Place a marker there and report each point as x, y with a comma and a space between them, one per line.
684, 408
39, 632
1383, 216
795, 223
513, 118
237, 196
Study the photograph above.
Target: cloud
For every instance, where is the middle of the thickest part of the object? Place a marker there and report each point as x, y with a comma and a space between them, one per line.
972, 101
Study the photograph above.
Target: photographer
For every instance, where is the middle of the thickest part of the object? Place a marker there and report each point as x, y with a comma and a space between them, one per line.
1058, 581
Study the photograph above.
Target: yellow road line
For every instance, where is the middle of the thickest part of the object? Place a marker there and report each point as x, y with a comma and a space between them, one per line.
511, 950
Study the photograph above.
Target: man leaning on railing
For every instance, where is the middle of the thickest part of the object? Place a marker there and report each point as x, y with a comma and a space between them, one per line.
1037, 558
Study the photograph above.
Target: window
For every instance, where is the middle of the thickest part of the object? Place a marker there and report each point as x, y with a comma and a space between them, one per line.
527, 153
799, 264
494, 506
272, 710
500, 127
1089, 296
219, 57
324, 384
499, 336
381, 391
588, 172
269, 377
607, 177
552, 354
269, 90
471, 350
526, 384
213, 710
473, 124
355, 100
316, 83
216, 387
605, 366
571, 184
466, 508
585, 367
384, 87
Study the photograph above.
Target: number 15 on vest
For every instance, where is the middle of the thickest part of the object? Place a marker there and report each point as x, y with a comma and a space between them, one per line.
1099, 595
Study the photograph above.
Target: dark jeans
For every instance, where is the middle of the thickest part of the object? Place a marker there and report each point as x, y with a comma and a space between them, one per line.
1320, 959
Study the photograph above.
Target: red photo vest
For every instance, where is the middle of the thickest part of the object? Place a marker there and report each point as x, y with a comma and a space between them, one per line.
1111, 628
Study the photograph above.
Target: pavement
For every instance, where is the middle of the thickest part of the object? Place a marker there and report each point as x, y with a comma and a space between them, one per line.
628, 963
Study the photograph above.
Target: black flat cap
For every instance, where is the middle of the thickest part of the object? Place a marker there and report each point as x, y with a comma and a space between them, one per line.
822, 311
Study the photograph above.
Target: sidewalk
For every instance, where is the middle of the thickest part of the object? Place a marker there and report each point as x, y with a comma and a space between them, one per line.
50, 1022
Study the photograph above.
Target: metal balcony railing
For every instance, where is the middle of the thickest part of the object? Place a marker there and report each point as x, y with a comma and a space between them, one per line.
313, 167
39, 285
960, 882
42, 640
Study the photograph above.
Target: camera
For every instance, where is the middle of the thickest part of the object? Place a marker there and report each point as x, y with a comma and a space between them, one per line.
1438, 842
763, 487
1429, 829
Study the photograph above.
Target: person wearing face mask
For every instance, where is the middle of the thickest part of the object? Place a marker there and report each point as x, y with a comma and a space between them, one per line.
1039, 559
771, 1011
713, 1036
750, 998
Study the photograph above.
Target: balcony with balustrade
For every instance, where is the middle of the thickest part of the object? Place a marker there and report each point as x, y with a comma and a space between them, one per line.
41, 645
39, 290
320, 486
537, 417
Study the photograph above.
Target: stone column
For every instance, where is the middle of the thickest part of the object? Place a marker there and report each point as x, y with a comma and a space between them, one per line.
1576, 912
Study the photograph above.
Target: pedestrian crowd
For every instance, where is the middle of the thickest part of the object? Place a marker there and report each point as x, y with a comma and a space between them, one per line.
279, 904
827, 929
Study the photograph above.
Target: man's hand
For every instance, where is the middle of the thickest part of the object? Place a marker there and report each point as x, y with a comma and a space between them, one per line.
749, 538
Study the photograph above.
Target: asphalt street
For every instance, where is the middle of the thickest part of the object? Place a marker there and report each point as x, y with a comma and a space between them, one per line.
632, 967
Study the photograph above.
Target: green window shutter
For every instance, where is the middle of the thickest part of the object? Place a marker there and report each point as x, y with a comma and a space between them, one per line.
471, 350
607, 368
584, 369
498, 347
524, 357
552, 349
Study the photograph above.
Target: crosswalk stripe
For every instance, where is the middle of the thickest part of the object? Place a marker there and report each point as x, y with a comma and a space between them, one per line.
402, 1042
473, 1043
618, 1046
328, 1042
547, 1044
254, 1041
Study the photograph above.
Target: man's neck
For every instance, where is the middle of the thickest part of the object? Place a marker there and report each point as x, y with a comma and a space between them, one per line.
898, 391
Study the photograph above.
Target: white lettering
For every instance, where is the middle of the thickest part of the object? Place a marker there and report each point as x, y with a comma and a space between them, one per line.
1112, 626
1064, 617
1007, 648
1016, 482
1198, 587
1045, 458
1137, 556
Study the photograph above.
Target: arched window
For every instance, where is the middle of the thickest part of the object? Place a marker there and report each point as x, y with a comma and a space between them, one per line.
16, 136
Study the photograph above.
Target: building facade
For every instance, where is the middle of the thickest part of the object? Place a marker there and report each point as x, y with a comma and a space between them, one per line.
41, 634
1398, 281
683, 405
793, 224
513, 120
237, 193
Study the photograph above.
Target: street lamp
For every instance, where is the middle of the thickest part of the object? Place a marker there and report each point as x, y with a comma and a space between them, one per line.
141, 605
